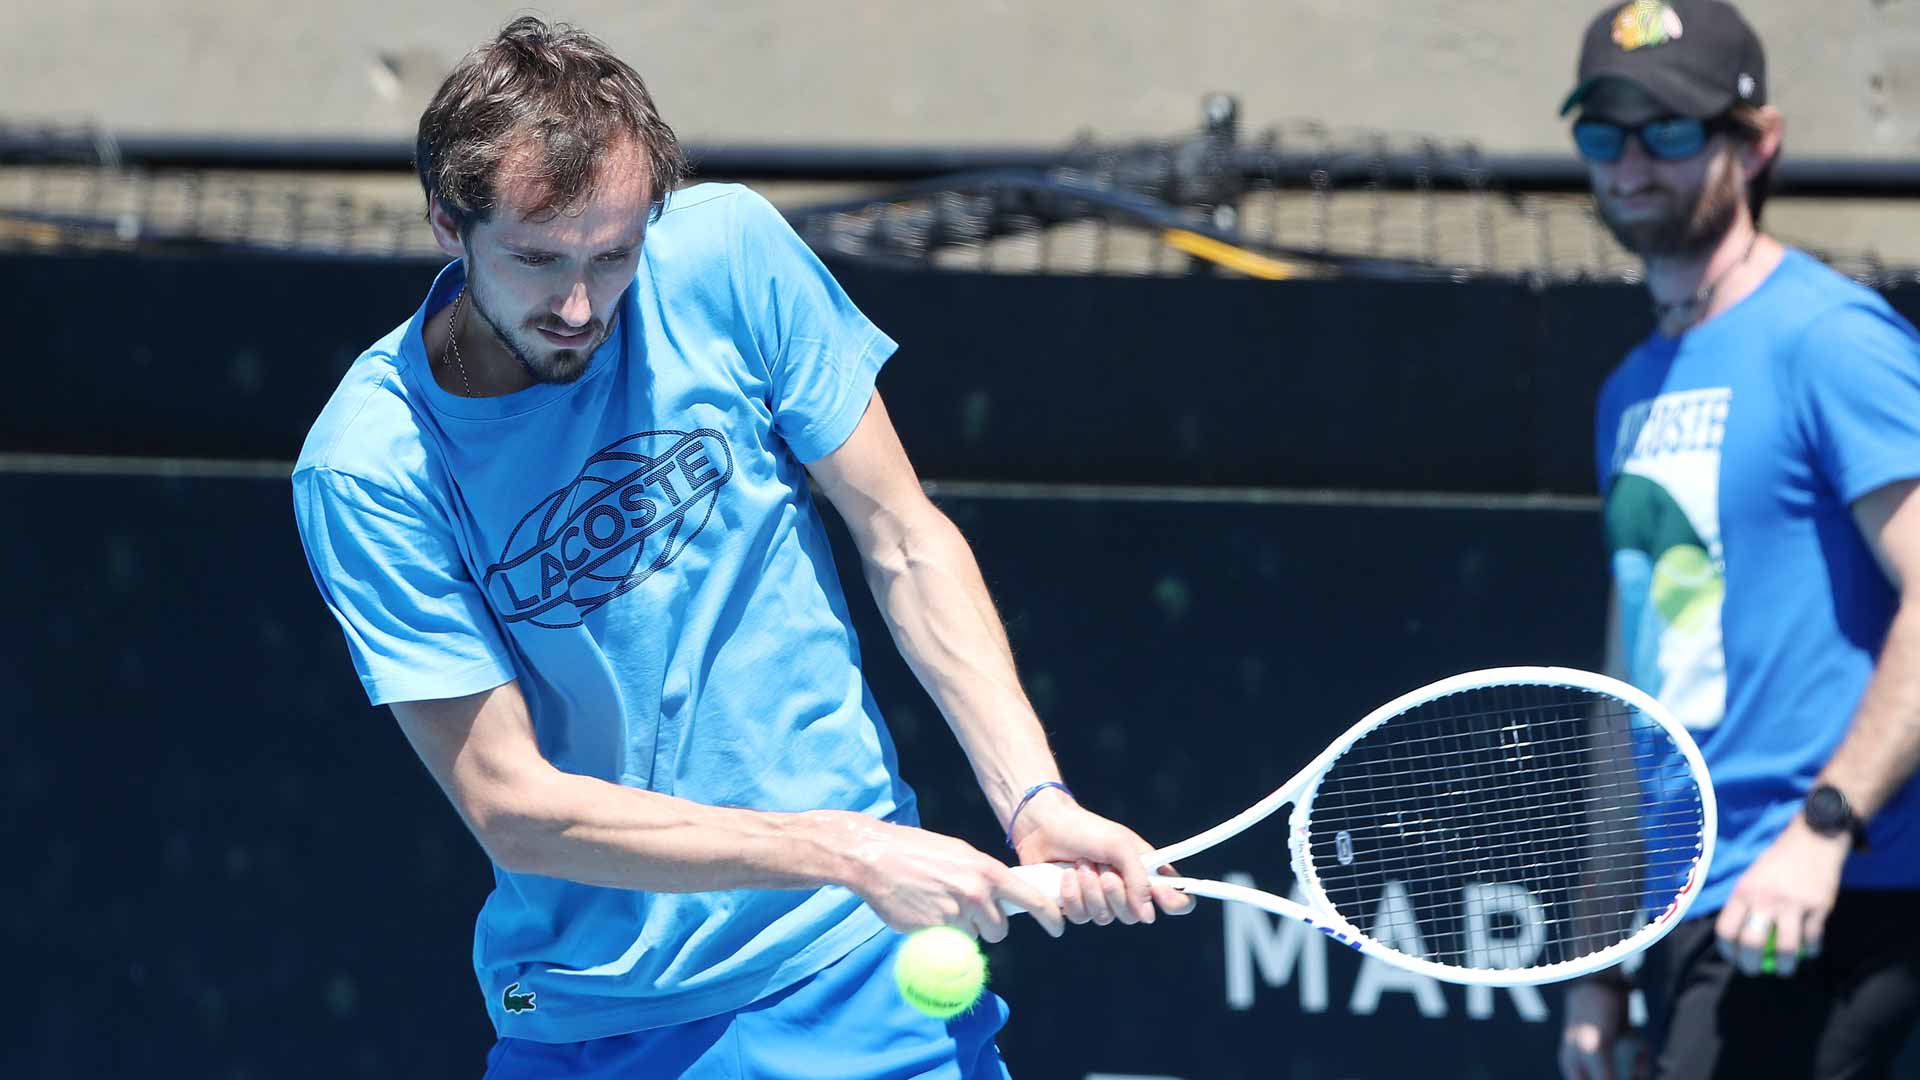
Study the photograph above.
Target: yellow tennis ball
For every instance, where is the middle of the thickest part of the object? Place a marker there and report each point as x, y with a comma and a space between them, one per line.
940, 971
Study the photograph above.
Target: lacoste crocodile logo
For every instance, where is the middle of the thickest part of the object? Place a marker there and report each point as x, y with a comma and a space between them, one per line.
516, 1003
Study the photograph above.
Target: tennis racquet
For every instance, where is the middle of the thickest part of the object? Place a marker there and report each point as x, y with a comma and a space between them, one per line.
1512, 826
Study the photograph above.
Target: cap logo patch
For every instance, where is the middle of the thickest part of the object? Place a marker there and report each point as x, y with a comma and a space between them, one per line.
1643, 23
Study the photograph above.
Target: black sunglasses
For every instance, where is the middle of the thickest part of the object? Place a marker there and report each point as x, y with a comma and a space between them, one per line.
1674, 138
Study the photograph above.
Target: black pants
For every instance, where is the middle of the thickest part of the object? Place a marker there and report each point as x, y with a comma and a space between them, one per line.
1843, 1016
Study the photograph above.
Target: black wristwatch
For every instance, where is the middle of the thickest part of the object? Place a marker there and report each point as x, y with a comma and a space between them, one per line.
1829, 814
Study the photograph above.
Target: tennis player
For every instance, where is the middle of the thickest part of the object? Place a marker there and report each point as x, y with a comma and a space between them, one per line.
1758, 454
562, 513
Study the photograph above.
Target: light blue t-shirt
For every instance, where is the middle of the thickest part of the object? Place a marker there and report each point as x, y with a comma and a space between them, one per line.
640, 550
1749, 603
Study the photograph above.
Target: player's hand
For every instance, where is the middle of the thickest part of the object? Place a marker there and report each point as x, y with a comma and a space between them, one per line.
1590, 1037
1787, 894
915, 879
1110, 881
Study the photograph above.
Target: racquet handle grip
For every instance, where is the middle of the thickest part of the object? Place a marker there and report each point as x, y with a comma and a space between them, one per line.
1046, 878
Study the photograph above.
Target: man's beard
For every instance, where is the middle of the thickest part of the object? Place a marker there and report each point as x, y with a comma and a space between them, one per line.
559, 366
1684, 233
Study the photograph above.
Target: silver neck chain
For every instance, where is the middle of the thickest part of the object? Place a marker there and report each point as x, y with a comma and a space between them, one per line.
453, 342
1692, 307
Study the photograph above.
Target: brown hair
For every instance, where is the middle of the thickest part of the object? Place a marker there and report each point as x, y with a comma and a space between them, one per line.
554, 88
1748, 124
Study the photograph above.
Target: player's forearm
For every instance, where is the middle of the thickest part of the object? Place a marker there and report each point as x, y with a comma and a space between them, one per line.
930, 591
578, 828
1882, 747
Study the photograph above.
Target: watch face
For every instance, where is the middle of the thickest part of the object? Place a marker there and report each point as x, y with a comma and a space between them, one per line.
1827, 810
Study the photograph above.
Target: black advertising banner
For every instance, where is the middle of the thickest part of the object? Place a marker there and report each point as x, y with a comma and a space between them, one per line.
1482, 386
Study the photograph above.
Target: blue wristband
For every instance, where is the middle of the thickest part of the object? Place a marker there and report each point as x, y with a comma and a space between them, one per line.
1027, 798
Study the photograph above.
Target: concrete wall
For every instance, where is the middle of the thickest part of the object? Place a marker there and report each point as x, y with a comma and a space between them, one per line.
1847, 72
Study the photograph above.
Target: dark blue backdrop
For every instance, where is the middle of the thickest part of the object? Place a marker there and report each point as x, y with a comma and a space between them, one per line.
234, 866
1430, 386
224, 863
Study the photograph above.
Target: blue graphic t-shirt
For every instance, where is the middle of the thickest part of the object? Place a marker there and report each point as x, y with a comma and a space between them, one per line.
1749, 602
639, 549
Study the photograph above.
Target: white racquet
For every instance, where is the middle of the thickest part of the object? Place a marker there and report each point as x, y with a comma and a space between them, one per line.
1513, 826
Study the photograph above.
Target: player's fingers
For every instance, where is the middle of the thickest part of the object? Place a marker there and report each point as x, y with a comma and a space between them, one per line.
1137, 883
1813, 935
1098, 909
1812, 927
1120, 897
1726, 928
984, 928
1171, 900
1789, 933
989, 920
1072, 903
1750, 954
1784, 947
1781, 961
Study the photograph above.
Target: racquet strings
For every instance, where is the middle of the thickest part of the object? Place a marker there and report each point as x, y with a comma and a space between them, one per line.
1506, 827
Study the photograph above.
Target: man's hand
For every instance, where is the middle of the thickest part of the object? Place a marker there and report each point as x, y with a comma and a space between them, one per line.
1596, 1018
1788, 893
1111, 881
916, 879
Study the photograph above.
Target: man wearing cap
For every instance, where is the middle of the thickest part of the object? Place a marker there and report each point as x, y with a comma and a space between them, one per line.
1758, 455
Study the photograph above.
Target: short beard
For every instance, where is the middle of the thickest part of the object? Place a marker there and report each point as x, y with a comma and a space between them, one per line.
559, 368
1685, 235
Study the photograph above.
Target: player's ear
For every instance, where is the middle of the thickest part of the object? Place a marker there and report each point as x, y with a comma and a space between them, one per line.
446, 231
1758, 153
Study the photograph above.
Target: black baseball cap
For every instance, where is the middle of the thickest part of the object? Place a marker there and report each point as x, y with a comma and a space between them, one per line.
1696, 57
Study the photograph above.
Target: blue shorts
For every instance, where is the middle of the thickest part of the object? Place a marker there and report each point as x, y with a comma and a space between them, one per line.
846, 1023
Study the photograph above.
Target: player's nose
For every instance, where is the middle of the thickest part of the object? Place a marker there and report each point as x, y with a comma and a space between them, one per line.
576, 309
